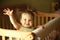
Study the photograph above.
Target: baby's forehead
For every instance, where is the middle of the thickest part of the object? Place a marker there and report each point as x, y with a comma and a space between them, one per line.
26, 14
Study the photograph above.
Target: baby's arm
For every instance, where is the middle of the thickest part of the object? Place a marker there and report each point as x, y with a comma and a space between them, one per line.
37, 31
12, 19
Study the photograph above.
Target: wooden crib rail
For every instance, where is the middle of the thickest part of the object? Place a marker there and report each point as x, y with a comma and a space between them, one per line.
41, 18
13, 34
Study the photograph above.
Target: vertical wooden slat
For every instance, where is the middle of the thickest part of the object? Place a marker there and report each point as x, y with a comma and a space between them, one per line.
42, 20
10, 38
10, 25
18, 39
2, 22
34, 20
38, 20
46, 19
50, 18
3, 37
6, 22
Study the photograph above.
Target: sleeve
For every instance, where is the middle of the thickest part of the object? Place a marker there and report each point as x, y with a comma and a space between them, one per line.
48, 27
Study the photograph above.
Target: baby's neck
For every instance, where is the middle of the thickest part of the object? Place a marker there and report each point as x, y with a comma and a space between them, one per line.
26, 27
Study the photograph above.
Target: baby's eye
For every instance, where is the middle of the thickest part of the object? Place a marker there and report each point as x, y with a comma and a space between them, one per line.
25, 19
30, 20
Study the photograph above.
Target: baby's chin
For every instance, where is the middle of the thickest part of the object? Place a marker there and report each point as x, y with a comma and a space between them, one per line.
28, 26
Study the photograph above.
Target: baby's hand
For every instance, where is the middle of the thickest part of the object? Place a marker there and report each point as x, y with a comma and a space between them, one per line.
7, 12
30, 37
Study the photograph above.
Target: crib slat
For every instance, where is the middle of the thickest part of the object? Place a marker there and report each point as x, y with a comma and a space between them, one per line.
34, 20
38, 20
6, 22
46, 19
50, 18
10, 38
2, 23
3, 37
42, 20
17, 39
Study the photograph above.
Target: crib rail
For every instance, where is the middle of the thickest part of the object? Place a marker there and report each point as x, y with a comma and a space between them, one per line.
42, 18
13, 34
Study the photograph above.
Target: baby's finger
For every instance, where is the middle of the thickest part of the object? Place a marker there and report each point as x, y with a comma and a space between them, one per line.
8, 9
31, 36
4, 13
11, 10
5, 10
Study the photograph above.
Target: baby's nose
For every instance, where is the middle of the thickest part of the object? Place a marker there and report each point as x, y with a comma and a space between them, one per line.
27, 22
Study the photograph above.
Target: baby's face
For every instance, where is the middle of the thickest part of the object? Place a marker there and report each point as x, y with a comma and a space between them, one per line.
26, 20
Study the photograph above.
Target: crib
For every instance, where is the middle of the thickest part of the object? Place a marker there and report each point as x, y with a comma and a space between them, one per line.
40, 18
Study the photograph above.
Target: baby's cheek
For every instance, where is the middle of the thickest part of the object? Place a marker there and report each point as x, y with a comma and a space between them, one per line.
31, 23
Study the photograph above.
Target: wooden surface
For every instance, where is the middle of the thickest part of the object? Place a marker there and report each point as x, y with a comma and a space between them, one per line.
13, 33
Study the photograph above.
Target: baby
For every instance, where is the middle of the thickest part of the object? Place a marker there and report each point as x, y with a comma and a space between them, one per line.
26, 20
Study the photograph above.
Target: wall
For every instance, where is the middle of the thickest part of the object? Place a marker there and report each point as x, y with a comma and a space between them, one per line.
41, 5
